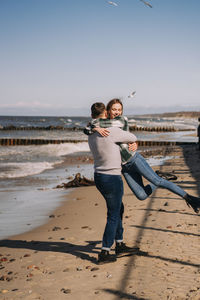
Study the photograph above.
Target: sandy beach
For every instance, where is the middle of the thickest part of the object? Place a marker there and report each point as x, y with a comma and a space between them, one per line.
58, 259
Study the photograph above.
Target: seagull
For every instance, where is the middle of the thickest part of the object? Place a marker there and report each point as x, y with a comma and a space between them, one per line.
112, 3
146, 3
132, 94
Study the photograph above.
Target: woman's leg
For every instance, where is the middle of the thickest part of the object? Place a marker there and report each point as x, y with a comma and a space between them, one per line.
139, 164
135, 183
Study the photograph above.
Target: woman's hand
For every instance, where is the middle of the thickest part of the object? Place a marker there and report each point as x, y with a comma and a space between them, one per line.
132, 146
102, 131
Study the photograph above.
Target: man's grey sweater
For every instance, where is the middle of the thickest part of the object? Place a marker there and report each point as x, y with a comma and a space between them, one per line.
106, 152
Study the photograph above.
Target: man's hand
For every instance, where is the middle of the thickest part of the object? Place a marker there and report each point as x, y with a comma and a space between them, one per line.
132, 146
102, 131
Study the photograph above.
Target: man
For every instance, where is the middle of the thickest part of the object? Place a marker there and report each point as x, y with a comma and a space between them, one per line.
107, 176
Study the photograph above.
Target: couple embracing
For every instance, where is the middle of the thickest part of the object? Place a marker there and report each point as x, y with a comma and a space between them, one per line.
114, 150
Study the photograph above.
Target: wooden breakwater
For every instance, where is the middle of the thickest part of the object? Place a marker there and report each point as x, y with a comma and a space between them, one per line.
152, 129
158, 129
29, 128
132, 128
26, 142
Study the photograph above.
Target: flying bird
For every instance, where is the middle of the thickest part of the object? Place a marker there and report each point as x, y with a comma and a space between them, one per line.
132, 94
112, 3
146, 3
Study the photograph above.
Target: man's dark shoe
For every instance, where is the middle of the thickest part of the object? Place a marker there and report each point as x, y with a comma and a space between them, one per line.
121, 248
193, 202
105, 257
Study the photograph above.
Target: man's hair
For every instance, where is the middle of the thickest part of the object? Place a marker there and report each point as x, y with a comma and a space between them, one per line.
97, 109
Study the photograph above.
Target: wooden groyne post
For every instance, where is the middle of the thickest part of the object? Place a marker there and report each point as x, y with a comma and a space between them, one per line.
25, 142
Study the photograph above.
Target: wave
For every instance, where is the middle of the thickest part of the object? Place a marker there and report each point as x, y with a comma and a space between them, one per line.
16, 170
22, 161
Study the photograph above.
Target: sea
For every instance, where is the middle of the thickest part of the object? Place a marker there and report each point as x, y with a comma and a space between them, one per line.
30, 173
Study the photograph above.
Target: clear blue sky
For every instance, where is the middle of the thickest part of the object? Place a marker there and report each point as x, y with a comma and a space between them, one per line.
57, 57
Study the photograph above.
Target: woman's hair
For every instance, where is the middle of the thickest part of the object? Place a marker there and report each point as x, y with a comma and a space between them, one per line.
97, 109
113, 101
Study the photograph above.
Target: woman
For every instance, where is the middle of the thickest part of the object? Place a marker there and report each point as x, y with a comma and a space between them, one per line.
134, 166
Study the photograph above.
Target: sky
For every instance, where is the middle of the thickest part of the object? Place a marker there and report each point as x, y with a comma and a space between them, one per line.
57, 57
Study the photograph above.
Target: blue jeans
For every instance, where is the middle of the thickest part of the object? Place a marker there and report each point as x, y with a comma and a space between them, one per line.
137, 167
111, 188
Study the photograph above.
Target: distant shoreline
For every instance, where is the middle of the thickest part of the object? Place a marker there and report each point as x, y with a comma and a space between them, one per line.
179, 114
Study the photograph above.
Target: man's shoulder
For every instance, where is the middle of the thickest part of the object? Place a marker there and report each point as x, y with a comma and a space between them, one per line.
114, 129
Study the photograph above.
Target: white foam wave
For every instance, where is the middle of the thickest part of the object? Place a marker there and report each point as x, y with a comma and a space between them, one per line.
159, 160
67, 148
16, 170
27, 152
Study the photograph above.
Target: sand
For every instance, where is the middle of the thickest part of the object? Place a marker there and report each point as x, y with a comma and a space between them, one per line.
58, 259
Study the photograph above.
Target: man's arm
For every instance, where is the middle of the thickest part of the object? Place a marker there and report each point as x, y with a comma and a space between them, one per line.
90, 128
120, 136
94, 126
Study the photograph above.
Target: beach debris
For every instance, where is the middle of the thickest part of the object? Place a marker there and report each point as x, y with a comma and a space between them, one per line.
56, 228
146, 3
10, 272
30, 266
66, 270
66, 291
77, 182
108, 275
112, 3
96, 292
27, 255
3, 259
52, 216
88, 267
94, 269
131, 94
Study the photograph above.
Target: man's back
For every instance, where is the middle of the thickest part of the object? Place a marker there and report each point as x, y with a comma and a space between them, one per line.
106, 152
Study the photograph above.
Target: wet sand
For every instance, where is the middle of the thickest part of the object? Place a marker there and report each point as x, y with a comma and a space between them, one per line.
58, 259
